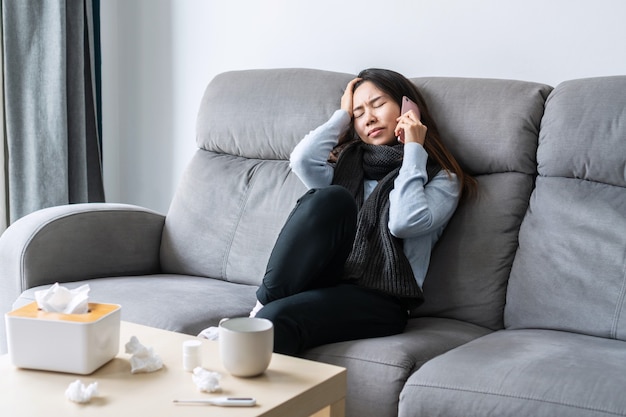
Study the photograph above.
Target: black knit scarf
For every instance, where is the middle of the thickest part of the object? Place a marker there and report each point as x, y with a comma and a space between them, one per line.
377, 260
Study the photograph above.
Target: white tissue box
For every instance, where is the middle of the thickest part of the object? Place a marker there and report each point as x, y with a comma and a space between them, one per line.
72, 343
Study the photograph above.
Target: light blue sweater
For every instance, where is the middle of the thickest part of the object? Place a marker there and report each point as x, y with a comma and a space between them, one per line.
417, 213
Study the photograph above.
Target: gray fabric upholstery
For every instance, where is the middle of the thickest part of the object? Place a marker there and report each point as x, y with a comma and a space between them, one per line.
263, 114
82, 241
539, 373
178, 303
467, 278
492, 127
379, 367
573, 240
230, 238
246, 147
76, 242
582, 133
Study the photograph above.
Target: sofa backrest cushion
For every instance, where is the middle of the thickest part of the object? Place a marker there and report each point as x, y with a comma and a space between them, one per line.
570, 270
238, 190
492, 128
263, 114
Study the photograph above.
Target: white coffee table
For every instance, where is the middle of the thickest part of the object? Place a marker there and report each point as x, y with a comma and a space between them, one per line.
291, 387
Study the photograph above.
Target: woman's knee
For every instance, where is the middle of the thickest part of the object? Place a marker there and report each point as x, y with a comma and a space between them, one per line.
287, 333
337, 196
330, 202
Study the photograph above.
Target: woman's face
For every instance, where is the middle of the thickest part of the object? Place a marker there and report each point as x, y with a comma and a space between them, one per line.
375, 114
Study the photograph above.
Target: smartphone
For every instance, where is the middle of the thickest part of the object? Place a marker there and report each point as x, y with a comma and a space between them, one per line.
408, 104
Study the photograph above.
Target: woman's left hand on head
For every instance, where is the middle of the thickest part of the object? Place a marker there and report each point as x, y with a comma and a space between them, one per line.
346, 98
414, 130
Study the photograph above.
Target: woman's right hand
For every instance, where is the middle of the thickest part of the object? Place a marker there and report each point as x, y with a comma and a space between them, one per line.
346, 99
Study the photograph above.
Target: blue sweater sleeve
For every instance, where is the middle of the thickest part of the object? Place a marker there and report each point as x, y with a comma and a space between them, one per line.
415, 209
309, 159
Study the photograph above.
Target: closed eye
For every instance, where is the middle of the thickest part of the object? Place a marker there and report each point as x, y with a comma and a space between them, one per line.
376, 102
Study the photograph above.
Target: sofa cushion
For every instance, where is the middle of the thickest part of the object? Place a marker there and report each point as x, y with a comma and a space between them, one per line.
471, 263
492, 128
539, 373
583, 132
379, 367
248, 124
263, 114
226, 216
490, 125
572, 241
172, 302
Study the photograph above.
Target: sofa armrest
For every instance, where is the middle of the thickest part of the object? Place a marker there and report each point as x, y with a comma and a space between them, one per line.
78, 242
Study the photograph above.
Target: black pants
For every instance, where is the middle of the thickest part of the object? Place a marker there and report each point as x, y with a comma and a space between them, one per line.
303, 292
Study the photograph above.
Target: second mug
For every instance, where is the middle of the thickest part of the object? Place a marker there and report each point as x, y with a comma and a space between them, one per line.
246, 345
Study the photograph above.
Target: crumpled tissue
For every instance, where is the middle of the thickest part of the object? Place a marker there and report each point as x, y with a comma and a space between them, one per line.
58, 299
210, 333
143, 359
206, 380
79, 393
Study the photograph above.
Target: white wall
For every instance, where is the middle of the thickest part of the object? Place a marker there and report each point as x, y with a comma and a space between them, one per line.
158, 56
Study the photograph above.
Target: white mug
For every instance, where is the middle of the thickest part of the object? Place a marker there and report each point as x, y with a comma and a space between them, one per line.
246, 345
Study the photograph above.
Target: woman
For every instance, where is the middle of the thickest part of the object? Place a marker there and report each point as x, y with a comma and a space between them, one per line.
351, 258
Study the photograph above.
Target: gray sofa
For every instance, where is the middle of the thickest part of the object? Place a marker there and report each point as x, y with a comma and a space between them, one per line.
526, 293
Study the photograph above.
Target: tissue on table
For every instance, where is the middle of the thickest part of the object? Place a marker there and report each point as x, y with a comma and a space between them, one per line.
76, 343
58, 299
205, 380
143, 359
79, 393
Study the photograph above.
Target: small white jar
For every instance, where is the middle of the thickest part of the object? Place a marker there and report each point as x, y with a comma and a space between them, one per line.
192, 356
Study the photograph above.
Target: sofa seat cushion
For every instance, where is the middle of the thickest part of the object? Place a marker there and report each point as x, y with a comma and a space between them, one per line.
180, 303
379, 367
522, 373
